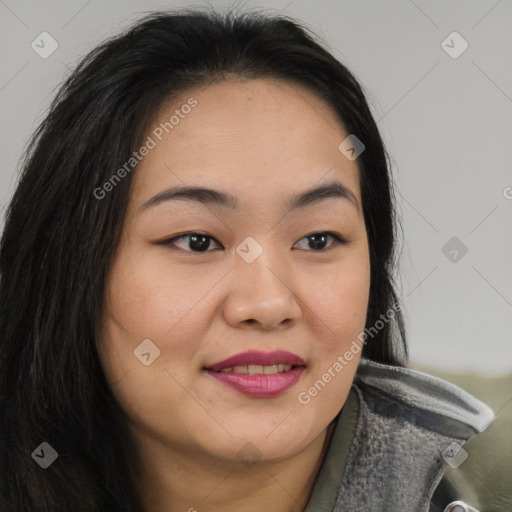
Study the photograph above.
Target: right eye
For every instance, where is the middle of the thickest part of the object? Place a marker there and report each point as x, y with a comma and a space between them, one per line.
196, 242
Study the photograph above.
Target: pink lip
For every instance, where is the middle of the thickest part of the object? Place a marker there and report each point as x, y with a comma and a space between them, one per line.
259, 386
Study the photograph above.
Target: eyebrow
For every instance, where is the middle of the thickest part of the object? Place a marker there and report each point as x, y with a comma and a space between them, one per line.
205, 195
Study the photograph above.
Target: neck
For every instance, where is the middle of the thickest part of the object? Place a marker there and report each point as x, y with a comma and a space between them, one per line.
170, 481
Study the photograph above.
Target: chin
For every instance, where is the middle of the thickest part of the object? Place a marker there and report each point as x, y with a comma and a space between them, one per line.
264, 444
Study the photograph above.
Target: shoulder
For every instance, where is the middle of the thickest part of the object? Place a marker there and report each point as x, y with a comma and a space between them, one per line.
414, 401
429, 398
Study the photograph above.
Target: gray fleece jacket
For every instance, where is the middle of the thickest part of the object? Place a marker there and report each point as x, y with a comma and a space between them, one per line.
396, 435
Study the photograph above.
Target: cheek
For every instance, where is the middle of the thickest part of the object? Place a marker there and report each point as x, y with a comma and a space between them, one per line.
140, 304
143, 303
343, 301
339, 300
148, 297
337, 351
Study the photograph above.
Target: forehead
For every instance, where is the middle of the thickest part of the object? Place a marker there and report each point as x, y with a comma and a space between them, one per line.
251, 137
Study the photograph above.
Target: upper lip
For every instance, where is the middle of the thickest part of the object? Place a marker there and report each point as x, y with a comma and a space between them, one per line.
259, 358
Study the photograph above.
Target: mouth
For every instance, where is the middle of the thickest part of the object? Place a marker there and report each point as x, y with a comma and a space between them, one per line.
258, 374
255, 369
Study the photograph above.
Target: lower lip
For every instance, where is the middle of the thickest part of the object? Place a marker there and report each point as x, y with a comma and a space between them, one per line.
260, 386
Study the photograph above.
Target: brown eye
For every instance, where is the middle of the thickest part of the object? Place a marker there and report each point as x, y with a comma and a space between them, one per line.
319, 241
194, 242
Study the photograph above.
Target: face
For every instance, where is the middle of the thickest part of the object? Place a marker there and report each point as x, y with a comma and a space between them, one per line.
257, 272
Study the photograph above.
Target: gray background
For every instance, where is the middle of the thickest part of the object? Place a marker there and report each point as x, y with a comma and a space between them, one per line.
446, 122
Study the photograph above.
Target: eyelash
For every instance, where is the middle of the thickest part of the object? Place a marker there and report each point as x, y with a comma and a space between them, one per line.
338, 240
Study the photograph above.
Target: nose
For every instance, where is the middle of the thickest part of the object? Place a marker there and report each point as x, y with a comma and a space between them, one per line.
261, 295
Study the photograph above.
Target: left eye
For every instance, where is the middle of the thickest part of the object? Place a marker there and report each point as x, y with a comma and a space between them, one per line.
199, 242
318, 240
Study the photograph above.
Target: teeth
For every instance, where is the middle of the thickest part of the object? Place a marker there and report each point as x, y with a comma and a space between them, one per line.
256, 369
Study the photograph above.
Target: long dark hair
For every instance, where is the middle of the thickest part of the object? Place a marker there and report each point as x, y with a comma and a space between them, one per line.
59, 238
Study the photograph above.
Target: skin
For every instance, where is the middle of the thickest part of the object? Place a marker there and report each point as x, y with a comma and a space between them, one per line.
262, 141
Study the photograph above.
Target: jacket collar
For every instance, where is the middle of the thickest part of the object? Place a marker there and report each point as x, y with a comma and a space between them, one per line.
394, 439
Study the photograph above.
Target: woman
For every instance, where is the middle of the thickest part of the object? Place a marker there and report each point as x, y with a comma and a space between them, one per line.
198, 311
